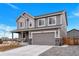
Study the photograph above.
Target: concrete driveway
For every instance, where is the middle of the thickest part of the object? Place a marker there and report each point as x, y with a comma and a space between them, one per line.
62, 51
29, 50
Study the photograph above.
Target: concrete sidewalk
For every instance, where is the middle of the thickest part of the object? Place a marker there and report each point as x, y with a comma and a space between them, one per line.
30, 50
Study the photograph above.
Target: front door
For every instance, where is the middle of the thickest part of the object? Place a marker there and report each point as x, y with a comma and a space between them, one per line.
25, 36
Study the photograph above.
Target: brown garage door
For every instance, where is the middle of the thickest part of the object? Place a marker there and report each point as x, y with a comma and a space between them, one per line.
44, 38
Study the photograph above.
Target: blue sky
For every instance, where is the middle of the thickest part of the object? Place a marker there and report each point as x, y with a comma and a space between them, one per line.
9, 13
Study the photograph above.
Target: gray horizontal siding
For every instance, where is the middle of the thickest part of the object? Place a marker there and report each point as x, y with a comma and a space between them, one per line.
58, 21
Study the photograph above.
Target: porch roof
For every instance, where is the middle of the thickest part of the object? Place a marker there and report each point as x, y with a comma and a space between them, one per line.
33, 29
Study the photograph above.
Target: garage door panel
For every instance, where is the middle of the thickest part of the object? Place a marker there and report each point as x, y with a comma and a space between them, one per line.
43, 38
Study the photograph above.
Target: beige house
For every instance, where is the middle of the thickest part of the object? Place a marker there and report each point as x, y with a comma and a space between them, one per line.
47, 29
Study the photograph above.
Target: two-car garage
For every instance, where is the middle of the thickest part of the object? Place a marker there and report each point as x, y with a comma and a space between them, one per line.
43, 38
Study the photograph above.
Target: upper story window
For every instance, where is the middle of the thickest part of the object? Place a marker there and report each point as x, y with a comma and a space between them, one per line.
27, 20
21, 24
30, 24
41, 22
52, 20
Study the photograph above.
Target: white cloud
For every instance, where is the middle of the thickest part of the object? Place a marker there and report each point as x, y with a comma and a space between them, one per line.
6, 27
13, 6
5, 31
75, 12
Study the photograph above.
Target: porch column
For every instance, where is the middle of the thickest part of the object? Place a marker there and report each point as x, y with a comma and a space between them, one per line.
22, 36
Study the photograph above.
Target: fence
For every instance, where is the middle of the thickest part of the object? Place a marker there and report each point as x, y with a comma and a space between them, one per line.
71, 41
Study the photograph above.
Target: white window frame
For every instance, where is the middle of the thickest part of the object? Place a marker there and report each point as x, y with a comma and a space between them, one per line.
43, 20
54, 19
20, 24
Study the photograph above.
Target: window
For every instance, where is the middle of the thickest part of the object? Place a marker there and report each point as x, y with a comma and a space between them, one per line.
41, 22
21, 24
27, 20
27, 23
51, 20
30, 24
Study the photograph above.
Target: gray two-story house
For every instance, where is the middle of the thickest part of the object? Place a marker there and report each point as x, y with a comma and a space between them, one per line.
47, 29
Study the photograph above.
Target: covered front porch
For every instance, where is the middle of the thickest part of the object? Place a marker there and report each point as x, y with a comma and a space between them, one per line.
23, 36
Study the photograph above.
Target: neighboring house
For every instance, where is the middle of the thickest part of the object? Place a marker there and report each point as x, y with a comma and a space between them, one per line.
45, 29
74, 33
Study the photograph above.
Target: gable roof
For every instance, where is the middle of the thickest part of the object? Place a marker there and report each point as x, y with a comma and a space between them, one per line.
44, 15
73, 30
22, 15
48, 14
53, 13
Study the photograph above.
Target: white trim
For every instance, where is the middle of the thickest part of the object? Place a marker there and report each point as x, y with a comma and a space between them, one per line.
58, 36
41, 25
54, 19
61, 17
59, 33
46, 32
21, 27
30, 35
